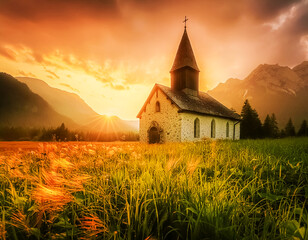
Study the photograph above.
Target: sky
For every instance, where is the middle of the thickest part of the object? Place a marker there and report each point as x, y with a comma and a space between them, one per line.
112, 52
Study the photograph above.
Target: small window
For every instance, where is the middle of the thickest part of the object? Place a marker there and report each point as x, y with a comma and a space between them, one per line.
197, 128
157, 107
213, 129
227, 129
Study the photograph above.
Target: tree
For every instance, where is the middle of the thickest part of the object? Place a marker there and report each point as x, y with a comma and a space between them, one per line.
282, 133
290, 129
275, 129
256, 125
62, 133
251, 126
270, 127
246, 119
303, 130
267, 127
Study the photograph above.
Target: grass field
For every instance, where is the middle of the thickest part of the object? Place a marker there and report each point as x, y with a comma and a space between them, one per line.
248, 189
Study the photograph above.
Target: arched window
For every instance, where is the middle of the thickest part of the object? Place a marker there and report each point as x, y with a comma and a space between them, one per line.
227, 129
157, 107
197, 128
213, 129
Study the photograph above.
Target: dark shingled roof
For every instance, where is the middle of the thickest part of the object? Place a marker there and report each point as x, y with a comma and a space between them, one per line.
185, 55
202, 104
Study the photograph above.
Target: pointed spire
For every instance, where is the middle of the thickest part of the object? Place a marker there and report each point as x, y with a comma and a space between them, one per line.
185, 55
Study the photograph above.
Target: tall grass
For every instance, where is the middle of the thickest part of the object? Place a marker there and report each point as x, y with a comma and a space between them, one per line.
248, 189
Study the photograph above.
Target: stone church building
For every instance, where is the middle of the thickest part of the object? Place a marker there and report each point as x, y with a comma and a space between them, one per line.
183, 113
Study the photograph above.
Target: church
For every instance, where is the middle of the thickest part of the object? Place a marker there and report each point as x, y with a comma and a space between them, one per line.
182, 113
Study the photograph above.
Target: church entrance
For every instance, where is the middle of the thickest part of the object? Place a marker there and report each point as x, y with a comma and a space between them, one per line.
154, 136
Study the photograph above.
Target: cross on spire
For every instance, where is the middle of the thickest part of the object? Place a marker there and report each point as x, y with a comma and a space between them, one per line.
185, 20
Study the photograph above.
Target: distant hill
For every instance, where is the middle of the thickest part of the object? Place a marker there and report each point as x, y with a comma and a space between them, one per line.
65, 103
269, 89
19, 106
74, 107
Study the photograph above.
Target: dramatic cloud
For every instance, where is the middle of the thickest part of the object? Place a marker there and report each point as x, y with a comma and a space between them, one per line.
119, 48
7, 53
45, 9
268, 9
300, 25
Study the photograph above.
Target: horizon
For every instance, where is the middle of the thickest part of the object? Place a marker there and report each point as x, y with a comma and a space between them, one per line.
112, 53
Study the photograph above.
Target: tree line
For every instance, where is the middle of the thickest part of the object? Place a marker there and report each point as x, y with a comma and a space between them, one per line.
252, 127
62, 133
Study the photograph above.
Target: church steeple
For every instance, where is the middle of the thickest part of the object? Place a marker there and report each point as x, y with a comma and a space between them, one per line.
184, 71
185, 55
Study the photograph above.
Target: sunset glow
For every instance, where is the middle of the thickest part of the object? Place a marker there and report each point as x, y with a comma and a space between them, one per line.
111, 53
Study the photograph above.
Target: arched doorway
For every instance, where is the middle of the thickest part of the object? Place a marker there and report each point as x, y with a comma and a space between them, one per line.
154, 136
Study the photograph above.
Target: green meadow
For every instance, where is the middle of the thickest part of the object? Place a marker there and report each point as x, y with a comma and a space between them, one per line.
247, 189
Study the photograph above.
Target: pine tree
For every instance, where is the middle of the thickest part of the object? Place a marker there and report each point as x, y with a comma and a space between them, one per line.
275, 129
256, 125
282, 133
62, 133
303, 130
246, 119
251, 126
267, 128
270, 127
290, 129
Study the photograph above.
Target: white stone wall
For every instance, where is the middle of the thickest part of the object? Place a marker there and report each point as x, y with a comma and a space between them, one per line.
168, 119
237, 131
187, 127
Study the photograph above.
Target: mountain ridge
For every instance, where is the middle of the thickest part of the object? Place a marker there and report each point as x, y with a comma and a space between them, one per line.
74, 107
19, 106
270, 89
62, 101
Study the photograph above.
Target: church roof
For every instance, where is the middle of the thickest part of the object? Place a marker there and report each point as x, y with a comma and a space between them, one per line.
202, 104
185, 55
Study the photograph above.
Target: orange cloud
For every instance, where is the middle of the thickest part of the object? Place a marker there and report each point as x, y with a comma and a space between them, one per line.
52, 73
69, 87
126, 44
7, 53
26, 74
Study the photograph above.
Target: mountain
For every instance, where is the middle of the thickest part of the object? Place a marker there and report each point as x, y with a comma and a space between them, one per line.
269, 89
65, 103
19, 106
74, 107
302, 71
